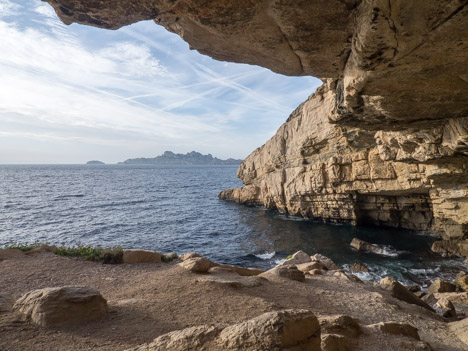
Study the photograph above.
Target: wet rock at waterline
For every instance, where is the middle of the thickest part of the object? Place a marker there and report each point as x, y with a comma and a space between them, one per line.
359, 267
441, 286
55, 307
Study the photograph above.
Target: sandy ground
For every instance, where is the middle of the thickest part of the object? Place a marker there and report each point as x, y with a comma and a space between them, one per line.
148, 300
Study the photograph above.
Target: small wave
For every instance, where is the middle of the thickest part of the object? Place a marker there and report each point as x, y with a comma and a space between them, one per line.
266, 255
68, 196
279, 261
387, 250
423, 270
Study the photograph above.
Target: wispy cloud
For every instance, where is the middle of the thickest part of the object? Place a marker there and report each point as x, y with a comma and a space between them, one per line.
138, 89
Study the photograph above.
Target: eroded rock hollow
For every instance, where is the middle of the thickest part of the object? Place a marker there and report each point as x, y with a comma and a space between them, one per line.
383, 141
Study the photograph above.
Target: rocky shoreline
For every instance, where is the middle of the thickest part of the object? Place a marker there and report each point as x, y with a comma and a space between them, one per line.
189, 302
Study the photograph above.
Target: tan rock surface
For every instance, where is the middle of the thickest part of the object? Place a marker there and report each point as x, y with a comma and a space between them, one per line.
6, 302
141, 256
399, 292
441, 286
149, 300
197, 264
288, 272
398, 329
460, 329
57, 307
283, 330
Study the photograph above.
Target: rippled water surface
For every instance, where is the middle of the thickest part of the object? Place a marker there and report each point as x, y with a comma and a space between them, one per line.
176, 208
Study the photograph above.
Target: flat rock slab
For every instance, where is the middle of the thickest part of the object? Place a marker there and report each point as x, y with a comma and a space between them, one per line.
141, 256
397, 329
460, 329
55, 307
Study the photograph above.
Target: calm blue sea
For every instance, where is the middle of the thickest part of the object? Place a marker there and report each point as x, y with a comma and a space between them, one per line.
176, 209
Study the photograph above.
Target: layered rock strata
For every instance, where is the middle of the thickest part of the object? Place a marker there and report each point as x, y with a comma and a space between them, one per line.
315, 168
384, 141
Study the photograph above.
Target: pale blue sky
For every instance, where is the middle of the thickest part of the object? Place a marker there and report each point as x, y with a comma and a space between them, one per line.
69, 94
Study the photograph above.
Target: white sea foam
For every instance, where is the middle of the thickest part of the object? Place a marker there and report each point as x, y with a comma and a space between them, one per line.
266, 255
279, 261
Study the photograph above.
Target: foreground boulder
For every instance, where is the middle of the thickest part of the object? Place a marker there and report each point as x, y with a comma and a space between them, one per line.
399, 292
279, 330
141, 256
55, 307
197, 264
299, 257
325, 261
288, 272
341, 325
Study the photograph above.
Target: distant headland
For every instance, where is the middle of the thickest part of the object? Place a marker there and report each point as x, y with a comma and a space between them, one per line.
191, 158
95, 162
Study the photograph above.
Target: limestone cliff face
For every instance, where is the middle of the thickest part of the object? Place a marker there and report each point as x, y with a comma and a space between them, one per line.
384, 141
416, 179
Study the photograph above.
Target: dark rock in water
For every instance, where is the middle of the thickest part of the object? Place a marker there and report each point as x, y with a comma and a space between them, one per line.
359, 267
191, 158
95, 162
451, 248
362, 245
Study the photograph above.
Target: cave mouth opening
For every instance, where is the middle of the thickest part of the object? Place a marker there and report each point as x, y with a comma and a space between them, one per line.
411, 211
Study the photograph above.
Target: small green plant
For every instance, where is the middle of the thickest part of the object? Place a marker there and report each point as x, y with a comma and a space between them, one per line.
169, 257
23, 247
290, 256
92, 253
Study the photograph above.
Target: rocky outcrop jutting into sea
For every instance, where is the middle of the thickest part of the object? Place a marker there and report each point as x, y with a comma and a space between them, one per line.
383, 141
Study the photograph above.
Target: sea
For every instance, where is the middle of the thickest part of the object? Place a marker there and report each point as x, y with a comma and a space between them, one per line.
175, 208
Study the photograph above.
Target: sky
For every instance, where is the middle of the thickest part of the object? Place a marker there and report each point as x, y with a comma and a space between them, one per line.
70, 94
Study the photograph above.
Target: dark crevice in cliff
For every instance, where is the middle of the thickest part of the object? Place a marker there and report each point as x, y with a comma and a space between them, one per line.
402, 211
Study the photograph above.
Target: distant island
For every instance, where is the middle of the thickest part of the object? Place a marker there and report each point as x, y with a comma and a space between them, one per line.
95, 162
191, 158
